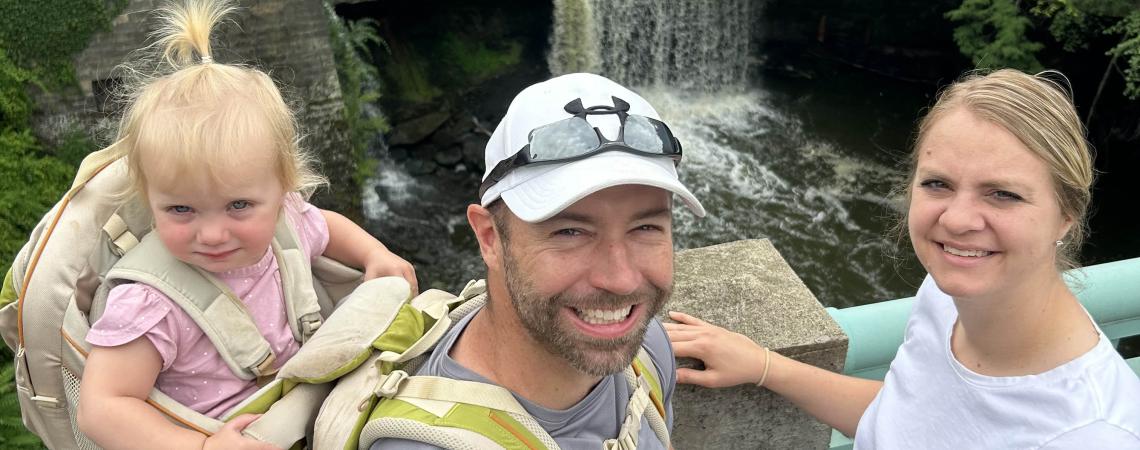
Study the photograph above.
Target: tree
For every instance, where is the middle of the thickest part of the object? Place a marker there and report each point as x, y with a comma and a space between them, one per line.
996, 33
993, 34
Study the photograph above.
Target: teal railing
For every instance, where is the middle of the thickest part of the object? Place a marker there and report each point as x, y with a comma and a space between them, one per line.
1110, 292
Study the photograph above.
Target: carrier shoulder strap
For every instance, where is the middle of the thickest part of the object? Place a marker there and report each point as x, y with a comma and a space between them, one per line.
646, 400
216, 310
302, 305
444, 412
221, 316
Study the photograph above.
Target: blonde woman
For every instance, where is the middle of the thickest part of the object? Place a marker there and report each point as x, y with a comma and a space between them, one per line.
998, 351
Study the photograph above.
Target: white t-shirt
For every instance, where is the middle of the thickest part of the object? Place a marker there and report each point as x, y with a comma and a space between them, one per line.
931, 401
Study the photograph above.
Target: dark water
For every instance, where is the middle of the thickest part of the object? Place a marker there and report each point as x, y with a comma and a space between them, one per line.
807, 167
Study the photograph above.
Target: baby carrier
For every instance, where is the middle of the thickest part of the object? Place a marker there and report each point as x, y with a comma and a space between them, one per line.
379, 336
86, 244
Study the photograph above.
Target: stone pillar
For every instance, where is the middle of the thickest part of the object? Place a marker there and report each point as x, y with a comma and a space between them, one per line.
747, 287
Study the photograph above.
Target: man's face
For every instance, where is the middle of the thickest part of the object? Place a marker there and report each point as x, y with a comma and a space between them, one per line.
586, 282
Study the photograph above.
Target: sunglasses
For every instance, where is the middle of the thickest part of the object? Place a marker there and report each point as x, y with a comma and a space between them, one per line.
574, 138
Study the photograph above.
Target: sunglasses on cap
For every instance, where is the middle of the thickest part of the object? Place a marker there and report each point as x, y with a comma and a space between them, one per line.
574, 138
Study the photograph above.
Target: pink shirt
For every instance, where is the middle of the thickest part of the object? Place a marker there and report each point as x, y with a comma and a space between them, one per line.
193, 372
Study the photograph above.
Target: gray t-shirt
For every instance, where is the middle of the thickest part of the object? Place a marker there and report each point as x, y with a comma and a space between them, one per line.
583, 426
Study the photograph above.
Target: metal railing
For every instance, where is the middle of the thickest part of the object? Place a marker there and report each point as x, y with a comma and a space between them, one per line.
1110, 292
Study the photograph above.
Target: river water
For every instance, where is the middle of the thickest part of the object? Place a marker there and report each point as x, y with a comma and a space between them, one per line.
806, 161
806, 166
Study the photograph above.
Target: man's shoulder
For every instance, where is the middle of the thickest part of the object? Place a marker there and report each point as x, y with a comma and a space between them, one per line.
656, 343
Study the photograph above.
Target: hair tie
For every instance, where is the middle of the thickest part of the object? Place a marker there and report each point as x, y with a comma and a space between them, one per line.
207, 59
767, 364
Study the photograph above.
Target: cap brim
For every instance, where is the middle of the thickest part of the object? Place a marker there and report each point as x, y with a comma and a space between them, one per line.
558, 187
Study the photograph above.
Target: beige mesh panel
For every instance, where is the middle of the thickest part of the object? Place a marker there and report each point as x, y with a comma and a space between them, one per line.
71, 389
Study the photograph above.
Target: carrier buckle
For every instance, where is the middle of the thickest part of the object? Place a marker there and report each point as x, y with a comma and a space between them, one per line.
46, 401
390, 384
622, 443
310, 326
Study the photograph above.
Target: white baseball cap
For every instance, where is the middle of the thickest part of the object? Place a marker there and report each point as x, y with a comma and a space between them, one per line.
537, 192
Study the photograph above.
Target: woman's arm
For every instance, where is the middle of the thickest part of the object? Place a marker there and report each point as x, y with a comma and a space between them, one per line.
113, 411
732, 358
351, 245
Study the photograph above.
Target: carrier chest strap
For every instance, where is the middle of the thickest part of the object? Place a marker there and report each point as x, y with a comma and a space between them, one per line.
216, 310
450, 390
221, 316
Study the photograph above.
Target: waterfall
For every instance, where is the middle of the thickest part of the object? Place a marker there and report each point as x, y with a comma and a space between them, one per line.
573, 36
701, 45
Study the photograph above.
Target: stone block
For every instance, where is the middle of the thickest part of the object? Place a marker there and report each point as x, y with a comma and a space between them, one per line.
747, 287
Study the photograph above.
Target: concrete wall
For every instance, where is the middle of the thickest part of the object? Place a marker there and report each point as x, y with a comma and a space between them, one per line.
287, 38
746, 286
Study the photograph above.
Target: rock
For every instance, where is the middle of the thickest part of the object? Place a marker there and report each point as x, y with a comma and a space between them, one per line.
761, 297
449, 156
415, 130
473, 147
417, 167
398, 153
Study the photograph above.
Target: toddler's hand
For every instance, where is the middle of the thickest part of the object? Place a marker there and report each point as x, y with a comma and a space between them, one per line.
230, 436
730, 358
381, 262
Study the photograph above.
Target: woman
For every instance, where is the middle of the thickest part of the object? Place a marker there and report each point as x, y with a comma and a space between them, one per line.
998, 352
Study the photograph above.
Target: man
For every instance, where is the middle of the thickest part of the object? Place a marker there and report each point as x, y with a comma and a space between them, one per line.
574, 224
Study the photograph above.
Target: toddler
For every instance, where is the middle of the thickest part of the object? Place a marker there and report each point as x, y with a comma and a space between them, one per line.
212, 150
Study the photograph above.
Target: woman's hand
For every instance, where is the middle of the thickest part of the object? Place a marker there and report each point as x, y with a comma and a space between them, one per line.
730, 358
230, 436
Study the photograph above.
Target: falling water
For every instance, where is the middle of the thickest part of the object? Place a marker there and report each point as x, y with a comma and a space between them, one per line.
756, 168
701, 45
573, 37
765, 160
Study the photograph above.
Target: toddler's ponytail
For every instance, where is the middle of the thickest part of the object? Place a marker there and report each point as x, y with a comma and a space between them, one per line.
184, 30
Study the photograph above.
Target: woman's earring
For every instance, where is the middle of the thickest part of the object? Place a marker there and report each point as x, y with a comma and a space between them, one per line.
1060, 243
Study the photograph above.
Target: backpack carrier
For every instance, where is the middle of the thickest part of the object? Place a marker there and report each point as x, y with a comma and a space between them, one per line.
88, 243
380, 335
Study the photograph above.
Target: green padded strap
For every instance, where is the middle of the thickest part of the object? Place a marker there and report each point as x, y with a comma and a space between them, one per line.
437, 311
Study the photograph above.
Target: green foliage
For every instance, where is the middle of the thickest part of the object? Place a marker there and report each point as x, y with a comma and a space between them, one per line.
44, 35
477, 61
410, 80
1070, 25
15, 107
993, 34
1129, 51
359, 84
37, 41
31, 184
